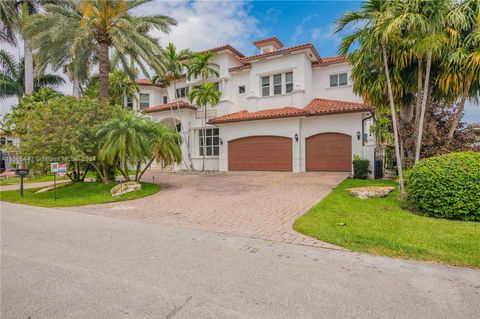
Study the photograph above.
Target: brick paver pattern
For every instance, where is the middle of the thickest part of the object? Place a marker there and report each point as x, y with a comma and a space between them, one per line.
254, 204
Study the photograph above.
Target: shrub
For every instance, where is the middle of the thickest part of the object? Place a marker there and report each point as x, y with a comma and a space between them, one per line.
360, 168
447, 186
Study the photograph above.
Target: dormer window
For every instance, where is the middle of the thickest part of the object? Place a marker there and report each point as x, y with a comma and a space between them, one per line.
268, 45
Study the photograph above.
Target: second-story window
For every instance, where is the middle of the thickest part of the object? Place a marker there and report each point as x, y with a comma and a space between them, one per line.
277, 84
288, 82
165, 99
265, 85
181, 92
282, 84
129, 102
338, 79
144, 101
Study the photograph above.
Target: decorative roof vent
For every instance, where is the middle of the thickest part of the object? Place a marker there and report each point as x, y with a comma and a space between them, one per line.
268, 45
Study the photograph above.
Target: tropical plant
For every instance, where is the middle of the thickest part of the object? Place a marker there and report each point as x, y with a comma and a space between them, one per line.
447, 186
52, 34
460, 75
111, 25
123, 141
120, 87
203, 95
9, 20
371, 34
61, 128
165, 144
173, 65
201, 65
13, 15
434, 25
12, 77
131, 139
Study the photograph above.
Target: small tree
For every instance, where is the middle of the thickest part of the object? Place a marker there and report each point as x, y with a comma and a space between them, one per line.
62, 128
130, 140
203, 95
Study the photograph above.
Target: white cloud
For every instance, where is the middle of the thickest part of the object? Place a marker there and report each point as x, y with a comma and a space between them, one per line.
201, 25
207, 24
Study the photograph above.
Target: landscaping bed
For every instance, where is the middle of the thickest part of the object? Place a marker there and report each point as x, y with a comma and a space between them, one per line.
381, 226
76, 194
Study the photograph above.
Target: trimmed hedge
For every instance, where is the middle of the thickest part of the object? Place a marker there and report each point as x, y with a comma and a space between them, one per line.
447, 186
360, 168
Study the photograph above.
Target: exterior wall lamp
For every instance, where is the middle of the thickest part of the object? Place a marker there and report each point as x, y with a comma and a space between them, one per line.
358, 135
221, 141
296, 137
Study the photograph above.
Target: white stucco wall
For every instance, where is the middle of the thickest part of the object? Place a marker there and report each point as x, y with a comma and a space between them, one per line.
321, 83
349, 124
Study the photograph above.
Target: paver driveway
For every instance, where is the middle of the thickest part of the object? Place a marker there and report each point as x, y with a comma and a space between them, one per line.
255, 204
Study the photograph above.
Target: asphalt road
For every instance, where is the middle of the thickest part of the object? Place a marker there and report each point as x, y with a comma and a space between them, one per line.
58, 264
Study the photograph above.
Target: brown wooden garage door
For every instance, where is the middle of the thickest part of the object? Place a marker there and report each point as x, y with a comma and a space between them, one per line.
329, 152
260, 153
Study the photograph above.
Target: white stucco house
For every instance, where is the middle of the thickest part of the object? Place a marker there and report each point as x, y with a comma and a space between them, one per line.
283, 109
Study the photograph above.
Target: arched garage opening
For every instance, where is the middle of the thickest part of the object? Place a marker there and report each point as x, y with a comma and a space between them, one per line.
329, 152
260, 153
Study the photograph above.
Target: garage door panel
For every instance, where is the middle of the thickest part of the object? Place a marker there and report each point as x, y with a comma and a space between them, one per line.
329, 152
270, 153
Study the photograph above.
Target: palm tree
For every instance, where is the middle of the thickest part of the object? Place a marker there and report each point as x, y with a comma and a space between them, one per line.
201, 65
164, 143
203, 95
52, 33
434, 24
9, 20
123, 141
120, 86
111, 25
173, 65
371, 34
12, 77
461, 68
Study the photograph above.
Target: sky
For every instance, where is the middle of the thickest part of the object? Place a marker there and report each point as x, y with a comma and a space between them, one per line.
207, 24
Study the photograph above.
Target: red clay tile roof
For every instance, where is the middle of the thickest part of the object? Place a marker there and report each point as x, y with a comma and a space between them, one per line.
146, 82
171, 105
239, 68
258, 115
324, 106
273, 40
329, 60
283, 51
315, 107
226, 47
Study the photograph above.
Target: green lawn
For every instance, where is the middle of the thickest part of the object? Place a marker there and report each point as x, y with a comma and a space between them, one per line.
34, 179
46, 178
75, 195
380, 226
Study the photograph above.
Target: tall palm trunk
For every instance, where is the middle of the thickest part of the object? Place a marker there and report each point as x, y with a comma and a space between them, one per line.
185, 136
76, 86
27, 52
204, 136
419, 94
461, 106
103, 71
394, 119
423, 107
